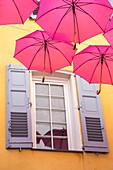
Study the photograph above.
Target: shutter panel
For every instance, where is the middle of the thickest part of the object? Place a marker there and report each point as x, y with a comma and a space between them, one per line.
93, 129
18, 108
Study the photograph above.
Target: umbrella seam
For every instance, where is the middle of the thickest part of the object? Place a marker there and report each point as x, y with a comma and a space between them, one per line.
94, 71
108, 71
50, 11
69, 9
90, 17
52, 46
34, 57
18, 11
49, 59
84, 63
26, 48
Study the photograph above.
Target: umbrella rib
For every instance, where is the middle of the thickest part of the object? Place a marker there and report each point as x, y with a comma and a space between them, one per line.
98, 49
85, 62
26, 48
69, 9
108, 71
93, 53
90, 3
18, 11
66, 2
80, 9
47, 39
37, 39
59, 7
109, 59
94, 71
75, 16
43, 35
35, 56
49, 59
52, 46
106, 50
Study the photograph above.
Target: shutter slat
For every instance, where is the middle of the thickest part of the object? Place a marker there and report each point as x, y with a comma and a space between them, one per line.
93, 129
18, 109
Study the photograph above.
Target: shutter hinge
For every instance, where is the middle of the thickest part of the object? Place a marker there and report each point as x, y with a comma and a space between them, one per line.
83, 147
79, 107
20, 149
30, 104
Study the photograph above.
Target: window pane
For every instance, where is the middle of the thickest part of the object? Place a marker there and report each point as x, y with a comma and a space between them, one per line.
59, 116
59, 126
42, 89
42, 115
43, 129
57, 90
43, 143
42, 101
58, 103
60, 132
60, 144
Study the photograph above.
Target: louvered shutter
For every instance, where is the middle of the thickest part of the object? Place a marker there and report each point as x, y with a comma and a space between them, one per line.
18, 109
93, 129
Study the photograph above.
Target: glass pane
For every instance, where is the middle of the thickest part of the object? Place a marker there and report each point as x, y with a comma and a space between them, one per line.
42, 89
57, 90
60, 132
43, 143
59, 126
58, 103
43, 129
42, 101
60, 144
59, 116
42, 115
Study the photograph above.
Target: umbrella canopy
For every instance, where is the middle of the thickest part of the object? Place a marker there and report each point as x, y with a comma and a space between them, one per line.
109, 32
37, 51
16, 11
74, 20
95, 64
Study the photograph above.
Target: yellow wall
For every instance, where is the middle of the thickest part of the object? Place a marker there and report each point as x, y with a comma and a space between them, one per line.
45, 160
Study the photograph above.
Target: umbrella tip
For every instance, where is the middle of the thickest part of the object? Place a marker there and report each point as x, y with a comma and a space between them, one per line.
43, 79
74, 46
98, 92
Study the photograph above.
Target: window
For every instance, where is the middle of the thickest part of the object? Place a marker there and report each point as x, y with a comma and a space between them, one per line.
47, 115
54, 113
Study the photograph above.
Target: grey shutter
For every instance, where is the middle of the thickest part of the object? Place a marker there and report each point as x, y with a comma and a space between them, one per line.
18, 109
93, 129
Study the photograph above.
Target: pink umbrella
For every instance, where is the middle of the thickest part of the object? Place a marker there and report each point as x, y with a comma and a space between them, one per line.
74, 20
37, 51
95, 64
109, 32
16, 11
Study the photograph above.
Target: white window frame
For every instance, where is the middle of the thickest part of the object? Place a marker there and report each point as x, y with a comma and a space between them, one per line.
73, 122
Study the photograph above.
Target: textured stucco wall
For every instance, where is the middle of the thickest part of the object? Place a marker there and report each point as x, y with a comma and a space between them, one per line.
45, 160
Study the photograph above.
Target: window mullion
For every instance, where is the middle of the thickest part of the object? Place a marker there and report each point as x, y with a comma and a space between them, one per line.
51, 115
